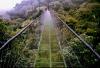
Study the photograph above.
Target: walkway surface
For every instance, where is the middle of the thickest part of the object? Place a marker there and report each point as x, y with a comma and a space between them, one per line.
49, 52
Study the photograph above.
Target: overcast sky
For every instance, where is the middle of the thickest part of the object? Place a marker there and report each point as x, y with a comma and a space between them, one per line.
8, 4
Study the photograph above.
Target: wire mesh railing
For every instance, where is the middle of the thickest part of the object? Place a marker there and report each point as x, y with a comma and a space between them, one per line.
19, 51
78, 53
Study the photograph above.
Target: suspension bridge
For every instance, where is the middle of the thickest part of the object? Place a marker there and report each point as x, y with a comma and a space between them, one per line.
51, 48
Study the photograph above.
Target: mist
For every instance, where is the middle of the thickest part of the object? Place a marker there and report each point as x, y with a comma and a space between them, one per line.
22, 7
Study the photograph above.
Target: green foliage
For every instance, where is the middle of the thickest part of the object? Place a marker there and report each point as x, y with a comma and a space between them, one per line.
84, 19
21, 51
94, 0
86, 22
3, 30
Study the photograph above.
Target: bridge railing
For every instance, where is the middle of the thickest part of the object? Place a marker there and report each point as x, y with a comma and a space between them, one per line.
18, 49
77, 52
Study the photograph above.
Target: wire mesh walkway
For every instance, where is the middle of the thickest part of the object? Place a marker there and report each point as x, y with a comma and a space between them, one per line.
49, 53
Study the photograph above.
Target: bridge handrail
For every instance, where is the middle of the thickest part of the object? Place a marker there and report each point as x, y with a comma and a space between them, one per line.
12, 38
82, 40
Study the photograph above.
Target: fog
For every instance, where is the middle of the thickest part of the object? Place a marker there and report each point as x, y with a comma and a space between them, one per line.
6, 5
23, 6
